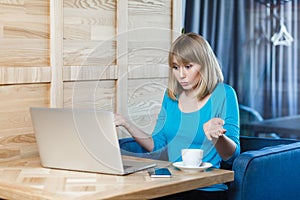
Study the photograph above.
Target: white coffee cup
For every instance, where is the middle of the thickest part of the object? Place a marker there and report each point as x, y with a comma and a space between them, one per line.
192, 157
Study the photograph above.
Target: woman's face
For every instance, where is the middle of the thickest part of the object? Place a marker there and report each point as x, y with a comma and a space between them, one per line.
188, 76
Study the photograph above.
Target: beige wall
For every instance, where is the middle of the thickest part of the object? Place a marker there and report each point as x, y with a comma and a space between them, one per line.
110, 55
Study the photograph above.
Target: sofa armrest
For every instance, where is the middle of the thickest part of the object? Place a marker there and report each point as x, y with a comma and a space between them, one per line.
269, 173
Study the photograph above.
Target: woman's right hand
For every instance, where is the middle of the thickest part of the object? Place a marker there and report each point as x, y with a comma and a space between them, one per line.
140, 136
120, 120
213, 129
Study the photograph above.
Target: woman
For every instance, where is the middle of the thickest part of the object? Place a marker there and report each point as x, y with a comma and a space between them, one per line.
198, 111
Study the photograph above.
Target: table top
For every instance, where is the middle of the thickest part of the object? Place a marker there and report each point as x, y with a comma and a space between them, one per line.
26, 179
284, 126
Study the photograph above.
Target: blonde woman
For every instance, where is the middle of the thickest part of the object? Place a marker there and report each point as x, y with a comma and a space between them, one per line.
198, 111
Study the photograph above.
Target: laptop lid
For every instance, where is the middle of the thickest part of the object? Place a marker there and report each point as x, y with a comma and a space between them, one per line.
79, 139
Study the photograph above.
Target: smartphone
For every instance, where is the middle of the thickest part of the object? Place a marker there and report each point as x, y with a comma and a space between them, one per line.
160, 172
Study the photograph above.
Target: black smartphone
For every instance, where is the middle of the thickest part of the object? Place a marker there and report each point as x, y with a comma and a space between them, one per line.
160, 172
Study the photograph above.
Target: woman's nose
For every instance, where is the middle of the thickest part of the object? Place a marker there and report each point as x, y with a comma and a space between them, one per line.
181, 72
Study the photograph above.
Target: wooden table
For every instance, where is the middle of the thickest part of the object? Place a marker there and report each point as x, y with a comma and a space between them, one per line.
26, 179
288, 127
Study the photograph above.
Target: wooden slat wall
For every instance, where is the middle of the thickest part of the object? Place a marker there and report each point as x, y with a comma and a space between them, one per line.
24, 33
122, 57
149, 38
25, 73
16, 134
56, 51
108, 55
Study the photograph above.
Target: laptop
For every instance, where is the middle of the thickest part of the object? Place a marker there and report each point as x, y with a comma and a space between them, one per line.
82, 140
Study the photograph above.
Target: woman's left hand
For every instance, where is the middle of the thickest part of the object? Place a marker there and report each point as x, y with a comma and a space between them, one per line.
213, 129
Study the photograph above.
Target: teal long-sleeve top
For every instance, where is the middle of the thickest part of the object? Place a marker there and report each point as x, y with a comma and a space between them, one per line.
178, 130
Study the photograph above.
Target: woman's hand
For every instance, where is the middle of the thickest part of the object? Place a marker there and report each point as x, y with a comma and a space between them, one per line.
120, 120
140, 136
213, 129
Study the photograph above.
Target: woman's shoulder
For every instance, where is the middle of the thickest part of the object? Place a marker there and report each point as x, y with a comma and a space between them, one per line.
167, 99
222, 91
225, 87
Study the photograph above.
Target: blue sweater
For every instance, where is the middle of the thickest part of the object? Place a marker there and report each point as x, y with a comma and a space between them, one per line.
177, 130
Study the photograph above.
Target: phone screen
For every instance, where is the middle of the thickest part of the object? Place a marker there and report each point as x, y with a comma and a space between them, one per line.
160, 172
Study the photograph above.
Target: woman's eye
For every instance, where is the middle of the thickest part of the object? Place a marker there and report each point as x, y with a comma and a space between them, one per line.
188, 66
175, 67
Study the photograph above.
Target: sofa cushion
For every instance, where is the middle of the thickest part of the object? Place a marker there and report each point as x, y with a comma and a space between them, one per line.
269, 173
131, 148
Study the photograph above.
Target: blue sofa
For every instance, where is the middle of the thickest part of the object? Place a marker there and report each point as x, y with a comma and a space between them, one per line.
265, 169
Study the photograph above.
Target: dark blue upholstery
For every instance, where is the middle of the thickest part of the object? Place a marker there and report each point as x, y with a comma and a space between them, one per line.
131, 148
269, 173
256, 143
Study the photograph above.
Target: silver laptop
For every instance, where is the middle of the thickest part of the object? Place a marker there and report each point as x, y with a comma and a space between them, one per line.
79, 139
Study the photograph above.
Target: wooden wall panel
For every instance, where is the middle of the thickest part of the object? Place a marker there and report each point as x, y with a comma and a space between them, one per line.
24, 60
153, 50
153, 70
85, 53
90, 94
24, 38
150, 31
144, 101
151, 13
109, 55
89, 32
77, 73
16, 75
15, 103
122, 56
16, 133
149, 37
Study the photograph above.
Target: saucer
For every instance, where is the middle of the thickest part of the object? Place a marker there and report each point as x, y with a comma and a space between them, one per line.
202, 167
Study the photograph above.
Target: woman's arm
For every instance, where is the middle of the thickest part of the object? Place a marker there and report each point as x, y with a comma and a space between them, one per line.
140, 136
225, 147
223, 130
215, 132
145, 140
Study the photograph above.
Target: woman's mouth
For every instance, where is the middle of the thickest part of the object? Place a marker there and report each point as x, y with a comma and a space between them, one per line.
184, 84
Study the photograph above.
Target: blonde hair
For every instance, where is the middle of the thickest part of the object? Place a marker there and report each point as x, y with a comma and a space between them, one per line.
192, 48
